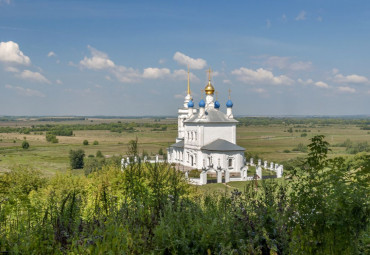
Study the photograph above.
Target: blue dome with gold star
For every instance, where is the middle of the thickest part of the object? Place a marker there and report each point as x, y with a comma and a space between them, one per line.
229, 103
191, 104
202, 103
217, 104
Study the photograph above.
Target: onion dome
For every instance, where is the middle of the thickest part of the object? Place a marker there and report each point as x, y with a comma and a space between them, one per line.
229, 103
191, 104
209, 89
202, 103
217, 104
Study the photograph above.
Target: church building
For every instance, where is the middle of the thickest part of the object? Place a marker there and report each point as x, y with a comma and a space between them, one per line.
206, 136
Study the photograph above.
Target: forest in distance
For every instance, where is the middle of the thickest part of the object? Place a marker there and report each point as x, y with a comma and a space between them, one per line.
49, 206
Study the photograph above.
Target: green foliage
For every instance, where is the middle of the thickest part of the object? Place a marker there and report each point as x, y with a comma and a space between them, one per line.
160, 152
354, 148
76, 158
300, 147
51, 138
95, 143
25, 145
149, 208
303, 134
99, 154
85, 142
133, 148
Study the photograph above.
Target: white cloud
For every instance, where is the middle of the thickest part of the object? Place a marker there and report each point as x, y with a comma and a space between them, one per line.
260, 90
59, 82
162, 61
10, 53
155, 73
182, 74
51, 54
301, 16
33, 76
226, 81
335, 71
11, 69
182, 59
321, 84
98, 60
261, 76
126, 75
353, 78
286, 63
306, 82
25, 91
346, 89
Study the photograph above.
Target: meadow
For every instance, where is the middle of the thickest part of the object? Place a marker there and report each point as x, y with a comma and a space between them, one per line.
277, 142
269, 142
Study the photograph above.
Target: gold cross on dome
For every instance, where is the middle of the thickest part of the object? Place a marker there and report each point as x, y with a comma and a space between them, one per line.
209, 74
229, 93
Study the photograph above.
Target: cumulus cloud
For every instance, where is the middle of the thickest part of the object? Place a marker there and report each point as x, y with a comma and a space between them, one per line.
346, 89
10, 53
353, 78
33, 76
51, 54
306, 82
260, 90
59, 82
98, 60
321, 84
301, 16
192, 63
155, 73
182, 74
261, 76
286, 63
11, 69
126, 75
25, 91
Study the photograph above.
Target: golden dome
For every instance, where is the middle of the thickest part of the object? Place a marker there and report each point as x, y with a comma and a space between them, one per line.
209, 89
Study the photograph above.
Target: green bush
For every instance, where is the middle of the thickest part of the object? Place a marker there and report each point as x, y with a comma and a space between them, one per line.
76, 158
25, 145
95, 143
85, 142
51, 138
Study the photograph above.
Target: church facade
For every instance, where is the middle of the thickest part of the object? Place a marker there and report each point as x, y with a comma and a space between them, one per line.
206, 135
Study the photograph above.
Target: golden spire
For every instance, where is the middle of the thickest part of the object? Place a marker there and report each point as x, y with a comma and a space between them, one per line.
209, 88
188, 82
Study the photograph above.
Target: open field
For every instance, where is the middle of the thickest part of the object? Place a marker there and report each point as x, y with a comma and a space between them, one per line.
269, 142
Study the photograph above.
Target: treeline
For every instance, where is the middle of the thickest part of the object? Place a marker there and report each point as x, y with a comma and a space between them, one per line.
264, 121
67, 130
56, 119
321, 208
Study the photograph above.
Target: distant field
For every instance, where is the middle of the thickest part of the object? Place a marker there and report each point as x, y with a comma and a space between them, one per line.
270, 142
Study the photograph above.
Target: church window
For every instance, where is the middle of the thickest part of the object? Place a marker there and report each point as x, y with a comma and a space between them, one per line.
230, 162
192, 135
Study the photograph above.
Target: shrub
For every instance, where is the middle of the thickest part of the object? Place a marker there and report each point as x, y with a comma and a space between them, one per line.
76, 158
303, 134
51, 138
85, 142
95, 143
25, 145
286, 151
99, 154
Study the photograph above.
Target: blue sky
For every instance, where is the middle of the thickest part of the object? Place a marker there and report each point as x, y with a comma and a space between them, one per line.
130, 58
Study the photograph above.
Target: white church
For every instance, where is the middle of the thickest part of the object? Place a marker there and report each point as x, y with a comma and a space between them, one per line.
207, 136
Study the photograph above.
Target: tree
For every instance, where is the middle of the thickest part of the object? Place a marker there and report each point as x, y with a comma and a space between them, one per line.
51, 138
160, 152
85, 142
99, 154
95, 143
25, 145
76, 158
133, 148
